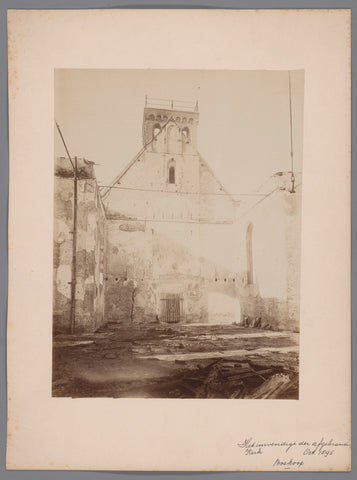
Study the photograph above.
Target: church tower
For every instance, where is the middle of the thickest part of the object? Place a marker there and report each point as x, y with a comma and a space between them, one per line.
165, 212
170, 127
168, 163
170, 143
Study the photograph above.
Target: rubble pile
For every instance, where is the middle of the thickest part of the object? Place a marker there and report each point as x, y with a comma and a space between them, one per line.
233, 379
195, 361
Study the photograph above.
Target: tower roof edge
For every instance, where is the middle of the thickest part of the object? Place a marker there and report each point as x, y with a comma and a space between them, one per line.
171, 105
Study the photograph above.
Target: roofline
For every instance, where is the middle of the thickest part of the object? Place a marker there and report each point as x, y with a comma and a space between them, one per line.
170, 110
142, 150
171, 105
132, 162
217, 179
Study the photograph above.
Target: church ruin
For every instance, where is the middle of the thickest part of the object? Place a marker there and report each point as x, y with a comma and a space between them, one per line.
166, 242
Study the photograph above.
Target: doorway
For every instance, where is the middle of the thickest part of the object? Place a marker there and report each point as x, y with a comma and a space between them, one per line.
171, 308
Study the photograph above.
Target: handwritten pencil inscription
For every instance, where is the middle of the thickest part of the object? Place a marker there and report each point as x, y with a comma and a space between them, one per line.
292, 454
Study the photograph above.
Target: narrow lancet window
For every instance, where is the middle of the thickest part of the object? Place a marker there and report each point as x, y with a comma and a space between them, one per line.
172, 174
249, 254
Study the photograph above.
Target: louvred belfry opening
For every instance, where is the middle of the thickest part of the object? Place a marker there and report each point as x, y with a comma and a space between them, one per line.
170, 126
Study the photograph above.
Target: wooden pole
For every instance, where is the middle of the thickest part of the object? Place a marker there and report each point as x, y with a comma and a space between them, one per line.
74, 250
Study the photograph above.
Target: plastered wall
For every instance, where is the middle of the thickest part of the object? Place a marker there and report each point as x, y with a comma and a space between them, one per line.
90, 249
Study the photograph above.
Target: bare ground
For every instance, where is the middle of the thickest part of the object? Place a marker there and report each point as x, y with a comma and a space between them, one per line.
176, 361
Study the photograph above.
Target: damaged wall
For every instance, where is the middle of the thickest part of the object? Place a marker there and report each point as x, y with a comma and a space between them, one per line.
128, 266
147, 261
205, 262
90, 251
273, 292
170, 233
173, 242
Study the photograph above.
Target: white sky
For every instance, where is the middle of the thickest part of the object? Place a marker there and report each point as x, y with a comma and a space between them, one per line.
243, 132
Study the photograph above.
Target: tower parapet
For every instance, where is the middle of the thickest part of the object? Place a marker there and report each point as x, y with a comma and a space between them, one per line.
170, 126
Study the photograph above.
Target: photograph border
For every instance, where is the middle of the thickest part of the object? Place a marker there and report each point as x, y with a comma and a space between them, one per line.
84, 4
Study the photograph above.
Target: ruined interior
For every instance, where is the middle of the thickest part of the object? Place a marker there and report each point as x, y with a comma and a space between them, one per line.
179, 289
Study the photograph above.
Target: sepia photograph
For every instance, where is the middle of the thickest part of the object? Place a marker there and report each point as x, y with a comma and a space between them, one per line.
179, 240
176, 254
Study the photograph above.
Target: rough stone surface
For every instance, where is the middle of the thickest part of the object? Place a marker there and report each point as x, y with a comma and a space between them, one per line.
90, 251
154, 237
163, 239
274, 293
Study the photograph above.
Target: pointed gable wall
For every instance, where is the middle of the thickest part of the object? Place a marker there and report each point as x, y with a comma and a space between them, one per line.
215, 202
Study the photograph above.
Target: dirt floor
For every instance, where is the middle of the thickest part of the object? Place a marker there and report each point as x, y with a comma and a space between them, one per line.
177, 361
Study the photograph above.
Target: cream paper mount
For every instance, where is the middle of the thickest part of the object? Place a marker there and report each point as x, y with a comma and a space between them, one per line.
60, 416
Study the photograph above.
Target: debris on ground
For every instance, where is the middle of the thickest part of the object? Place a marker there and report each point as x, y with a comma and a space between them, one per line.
178, 361
232, 379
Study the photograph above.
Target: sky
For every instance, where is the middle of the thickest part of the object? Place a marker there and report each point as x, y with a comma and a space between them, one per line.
244, 123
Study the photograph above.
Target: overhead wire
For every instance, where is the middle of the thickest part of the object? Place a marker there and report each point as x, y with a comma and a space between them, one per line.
168, 220
181, 192
137, 156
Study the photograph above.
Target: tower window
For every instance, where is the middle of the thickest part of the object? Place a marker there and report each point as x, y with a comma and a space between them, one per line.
171, 171
185, 135
156, 130
172, 174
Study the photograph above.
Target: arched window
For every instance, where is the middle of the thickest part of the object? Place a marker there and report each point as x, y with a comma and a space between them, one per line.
156, 130
172, 174
171, 171
173, 139
249, 238
185, 135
